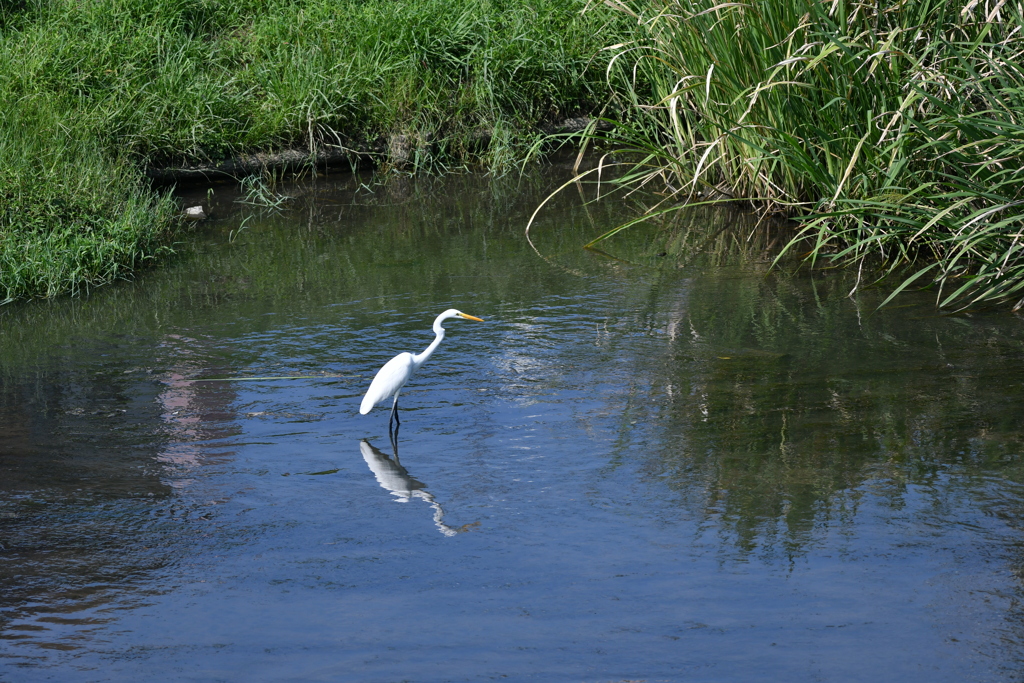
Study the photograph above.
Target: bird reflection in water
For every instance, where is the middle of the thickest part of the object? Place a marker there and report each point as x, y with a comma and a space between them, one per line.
393, 477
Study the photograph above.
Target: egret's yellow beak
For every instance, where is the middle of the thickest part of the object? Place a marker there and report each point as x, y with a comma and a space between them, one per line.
471, 317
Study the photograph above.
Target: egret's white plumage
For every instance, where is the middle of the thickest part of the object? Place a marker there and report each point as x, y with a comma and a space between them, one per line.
396, 372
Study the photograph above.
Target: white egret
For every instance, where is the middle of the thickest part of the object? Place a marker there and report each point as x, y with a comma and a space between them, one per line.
396, 372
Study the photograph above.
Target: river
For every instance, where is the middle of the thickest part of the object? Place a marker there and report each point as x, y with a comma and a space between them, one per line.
662, 460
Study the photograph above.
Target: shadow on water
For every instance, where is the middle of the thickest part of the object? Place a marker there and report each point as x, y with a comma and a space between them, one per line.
681, 463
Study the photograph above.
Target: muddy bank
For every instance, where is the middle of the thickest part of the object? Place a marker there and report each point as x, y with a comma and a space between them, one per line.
397, 150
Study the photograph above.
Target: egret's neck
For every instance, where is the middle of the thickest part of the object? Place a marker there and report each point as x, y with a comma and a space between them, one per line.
421, 358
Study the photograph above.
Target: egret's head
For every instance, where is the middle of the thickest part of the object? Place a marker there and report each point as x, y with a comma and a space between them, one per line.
453, 313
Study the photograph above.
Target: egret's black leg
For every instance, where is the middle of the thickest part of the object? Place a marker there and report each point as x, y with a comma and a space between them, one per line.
394, 416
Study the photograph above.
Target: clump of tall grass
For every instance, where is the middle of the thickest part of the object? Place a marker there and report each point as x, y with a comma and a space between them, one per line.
71, 216
893, 131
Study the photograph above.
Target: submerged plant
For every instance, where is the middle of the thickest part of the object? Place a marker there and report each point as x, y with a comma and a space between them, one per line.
260, 190
893, 132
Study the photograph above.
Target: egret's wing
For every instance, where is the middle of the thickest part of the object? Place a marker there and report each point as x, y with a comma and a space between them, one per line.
390, 378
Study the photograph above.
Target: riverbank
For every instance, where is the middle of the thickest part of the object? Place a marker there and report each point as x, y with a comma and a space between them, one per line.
93, 94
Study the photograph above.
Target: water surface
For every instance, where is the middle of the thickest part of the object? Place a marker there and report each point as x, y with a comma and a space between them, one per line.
661, 461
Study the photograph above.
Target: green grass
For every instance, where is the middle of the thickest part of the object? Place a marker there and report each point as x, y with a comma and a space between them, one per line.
71, 216
93, 91
199, 79
892, 131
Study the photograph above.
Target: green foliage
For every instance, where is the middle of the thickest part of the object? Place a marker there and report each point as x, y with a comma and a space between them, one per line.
71, 217
91, 91
201, 78
892, 131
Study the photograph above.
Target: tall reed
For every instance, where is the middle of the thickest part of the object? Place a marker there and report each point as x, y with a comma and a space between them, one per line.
893, 131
